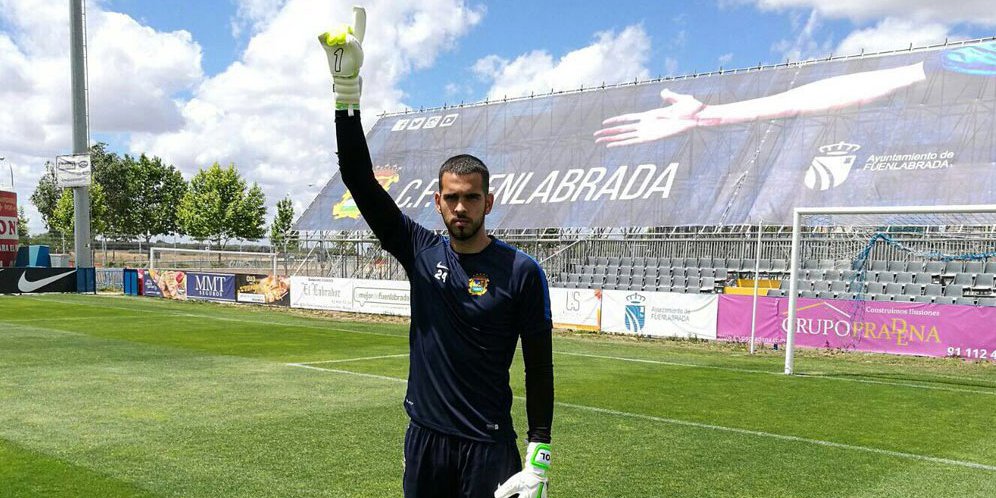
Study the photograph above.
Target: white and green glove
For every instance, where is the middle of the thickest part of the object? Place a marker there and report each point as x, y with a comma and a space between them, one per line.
531, 482
344, 49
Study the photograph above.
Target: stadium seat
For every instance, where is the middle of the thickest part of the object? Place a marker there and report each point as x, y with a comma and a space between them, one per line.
991, 266
821, 286
856, 286
945, 300
965, 279
896, 266
876, 288
881, 297
690, 263
679, 281
707, 273
934, 267
693, 272
776, 293
885, 276
968, 301
693, 283
987, 301
843, 264
808, 293
901, 298
826, 264
904, 277
815, 274
923, 299
954, 290
974, 267
664, 281
933, 290
784, 284
914, 289
639, 261
985, 281
810, 264
830, 275
838, 286
847, 296
637, 283
848, 275
779, 266
722, 274
893, 288
826, 295
612, 261
878, 265
923, 277
602, 261
705, 262
598, 280
626, 261
953, 267
734, 264
653, 262
707, 284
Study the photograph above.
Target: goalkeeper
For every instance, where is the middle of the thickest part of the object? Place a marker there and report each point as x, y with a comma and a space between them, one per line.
472, 298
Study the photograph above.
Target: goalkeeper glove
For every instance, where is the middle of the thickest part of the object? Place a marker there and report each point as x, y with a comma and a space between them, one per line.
344, 50
531, 482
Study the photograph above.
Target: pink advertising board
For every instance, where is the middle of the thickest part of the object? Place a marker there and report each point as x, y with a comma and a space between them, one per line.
874, 326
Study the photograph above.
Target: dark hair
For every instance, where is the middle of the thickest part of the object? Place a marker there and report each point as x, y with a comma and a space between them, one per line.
465, 164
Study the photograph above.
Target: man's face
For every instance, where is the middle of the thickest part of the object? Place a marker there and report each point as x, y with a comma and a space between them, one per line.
463, 203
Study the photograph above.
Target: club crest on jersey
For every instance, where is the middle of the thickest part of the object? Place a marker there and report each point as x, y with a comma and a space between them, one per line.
478, 285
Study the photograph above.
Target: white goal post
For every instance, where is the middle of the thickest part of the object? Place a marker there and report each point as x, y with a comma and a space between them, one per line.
231, 260
884, 215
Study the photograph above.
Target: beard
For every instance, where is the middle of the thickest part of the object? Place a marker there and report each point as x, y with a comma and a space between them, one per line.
465, 232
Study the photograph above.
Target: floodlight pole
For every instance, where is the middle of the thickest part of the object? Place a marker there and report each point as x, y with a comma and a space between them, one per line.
81, 145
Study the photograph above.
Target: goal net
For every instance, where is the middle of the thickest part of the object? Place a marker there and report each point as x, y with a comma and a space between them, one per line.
168, 258
849, 262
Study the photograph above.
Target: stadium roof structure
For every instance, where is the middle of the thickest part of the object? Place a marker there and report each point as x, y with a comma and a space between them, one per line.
726, 148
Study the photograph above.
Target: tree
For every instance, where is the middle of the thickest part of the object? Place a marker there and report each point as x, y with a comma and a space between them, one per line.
63, 218
23, 236
280, 231
218, 206
117, 176
161, 188
46, 196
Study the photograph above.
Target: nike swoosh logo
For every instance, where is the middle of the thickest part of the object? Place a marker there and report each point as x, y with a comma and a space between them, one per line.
441, 267
25, 285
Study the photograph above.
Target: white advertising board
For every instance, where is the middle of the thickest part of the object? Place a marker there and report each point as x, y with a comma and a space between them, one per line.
578, 309
73, 170
385, 297
660, 314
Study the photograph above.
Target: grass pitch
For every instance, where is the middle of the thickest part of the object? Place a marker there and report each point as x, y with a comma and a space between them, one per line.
115, 396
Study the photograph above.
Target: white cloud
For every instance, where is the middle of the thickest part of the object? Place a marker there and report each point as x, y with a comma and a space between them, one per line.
891, 34
271, 112
611, 58
970, 11
725, 58
134, 72
253, 15
806, 44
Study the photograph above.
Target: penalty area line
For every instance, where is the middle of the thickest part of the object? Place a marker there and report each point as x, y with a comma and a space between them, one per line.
347, 360
720, 428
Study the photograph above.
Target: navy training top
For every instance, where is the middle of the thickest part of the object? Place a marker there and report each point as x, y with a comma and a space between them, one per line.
467, 314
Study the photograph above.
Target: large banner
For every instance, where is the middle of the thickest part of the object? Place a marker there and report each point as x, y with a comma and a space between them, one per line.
385, 297
34, 280
578, 309
660, 314
210, 286
910, 129
8, 228
875, 326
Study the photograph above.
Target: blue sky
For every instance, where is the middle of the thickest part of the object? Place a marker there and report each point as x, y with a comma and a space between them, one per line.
242, 81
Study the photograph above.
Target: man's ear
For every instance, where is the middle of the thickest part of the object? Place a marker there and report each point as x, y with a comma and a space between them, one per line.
489, 202
439, 208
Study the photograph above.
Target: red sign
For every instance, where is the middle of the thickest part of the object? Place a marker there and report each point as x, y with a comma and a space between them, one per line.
8, 229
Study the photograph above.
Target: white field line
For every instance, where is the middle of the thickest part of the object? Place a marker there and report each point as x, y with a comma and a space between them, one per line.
699, 425
347, 360
801, 375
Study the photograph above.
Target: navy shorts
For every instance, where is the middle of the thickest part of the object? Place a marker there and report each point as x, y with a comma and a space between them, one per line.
442, 466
